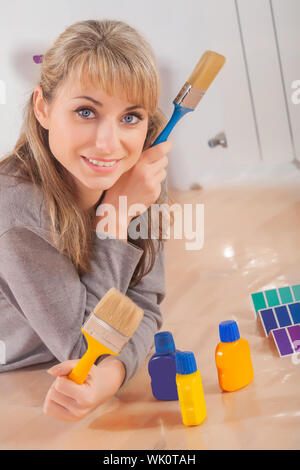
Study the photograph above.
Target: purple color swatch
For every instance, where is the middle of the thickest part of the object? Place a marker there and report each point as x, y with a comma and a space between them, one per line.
294, 332
282, 342
287, 339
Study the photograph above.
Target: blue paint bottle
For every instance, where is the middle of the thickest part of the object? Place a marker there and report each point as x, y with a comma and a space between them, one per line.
162, 367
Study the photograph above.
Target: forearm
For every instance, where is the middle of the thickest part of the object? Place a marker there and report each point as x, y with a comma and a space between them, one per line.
114, 370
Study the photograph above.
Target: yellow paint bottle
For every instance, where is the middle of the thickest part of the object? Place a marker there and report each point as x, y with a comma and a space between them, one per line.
233, 358
190, 390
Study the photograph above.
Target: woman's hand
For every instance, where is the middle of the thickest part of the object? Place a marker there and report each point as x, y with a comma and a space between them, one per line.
69, 401
141, 184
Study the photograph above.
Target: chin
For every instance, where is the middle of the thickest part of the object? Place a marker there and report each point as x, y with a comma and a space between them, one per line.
100, 185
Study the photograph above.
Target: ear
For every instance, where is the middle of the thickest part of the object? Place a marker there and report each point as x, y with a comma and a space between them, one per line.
41, 108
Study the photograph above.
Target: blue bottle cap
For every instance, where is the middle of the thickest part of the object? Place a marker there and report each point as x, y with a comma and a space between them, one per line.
185, 362
229, 331
164, 343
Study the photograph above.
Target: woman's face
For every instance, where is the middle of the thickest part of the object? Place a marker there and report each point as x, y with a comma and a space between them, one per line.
86, 123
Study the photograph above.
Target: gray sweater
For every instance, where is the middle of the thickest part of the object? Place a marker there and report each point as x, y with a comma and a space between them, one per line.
43, 300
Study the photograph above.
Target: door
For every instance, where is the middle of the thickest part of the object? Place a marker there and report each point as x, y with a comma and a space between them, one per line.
251, 98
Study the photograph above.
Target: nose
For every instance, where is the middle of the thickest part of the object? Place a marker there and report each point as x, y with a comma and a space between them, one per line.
107, 138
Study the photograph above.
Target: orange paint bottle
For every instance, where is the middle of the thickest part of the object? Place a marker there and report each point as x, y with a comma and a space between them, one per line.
233, 358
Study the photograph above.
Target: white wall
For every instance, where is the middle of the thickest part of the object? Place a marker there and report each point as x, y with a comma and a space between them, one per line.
239, 102
287, 16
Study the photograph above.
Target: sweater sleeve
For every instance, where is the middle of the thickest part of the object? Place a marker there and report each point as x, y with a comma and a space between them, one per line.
47, 290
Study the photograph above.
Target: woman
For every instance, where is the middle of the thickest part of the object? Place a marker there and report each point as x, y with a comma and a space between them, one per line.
85, 141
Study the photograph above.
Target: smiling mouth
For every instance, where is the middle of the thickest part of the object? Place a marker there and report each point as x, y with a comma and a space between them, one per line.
102, 163
102, 167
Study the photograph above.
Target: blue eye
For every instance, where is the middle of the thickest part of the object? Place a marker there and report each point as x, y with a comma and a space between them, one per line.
128, 118
86, 112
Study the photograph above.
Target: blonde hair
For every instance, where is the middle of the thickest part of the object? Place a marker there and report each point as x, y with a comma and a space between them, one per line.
105, 53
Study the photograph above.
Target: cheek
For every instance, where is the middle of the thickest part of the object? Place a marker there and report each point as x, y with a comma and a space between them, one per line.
138, 142
62, 138
56, 143
136, 149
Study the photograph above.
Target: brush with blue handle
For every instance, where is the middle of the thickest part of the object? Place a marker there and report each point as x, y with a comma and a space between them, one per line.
190, 94
193, 90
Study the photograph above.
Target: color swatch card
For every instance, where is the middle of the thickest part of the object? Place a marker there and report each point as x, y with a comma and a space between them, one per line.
287, 340
275, 297
278, 317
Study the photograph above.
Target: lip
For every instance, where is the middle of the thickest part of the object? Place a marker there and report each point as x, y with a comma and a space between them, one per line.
98, 169
103, 159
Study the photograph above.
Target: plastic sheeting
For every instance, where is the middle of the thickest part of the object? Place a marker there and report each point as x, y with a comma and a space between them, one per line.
251, 244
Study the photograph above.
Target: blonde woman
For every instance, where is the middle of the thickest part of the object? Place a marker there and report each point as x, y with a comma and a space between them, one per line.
88, 127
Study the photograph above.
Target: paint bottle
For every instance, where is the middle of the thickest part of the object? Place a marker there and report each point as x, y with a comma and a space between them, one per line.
162, 367
233, 358
190, 390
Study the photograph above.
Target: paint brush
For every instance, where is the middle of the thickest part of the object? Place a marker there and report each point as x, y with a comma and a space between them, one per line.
193, 90
107, 330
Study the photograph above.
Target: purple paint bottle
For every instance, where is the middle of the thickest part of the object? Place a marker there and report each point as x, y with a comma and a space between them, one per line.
162, 367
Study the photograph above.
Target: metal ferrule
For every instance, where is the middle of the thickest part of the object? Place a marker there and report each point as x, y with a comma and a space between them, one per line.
189, 97
105, 334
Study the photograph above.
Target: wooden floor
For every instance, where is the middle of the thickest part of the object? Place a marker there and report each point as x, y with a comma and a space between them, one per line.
251, 243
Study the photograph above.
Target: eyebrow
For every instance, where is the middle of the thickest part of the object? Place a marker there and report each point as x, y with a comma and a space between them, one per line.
97, 103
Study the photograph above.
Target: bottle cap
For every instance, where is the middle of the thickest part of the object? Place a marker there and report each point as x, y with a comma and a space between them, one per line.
229, 331
164, 343
185, 362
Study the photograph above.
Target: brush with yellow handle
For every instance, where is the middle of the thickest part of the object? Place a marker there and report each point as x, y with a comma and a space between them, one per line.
107, 330
193, 90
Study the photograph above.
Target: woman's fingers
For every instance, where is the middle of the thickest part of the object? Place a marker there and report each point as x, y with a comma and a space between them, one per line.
61, 406
154, 154
160, 165
62, 399
162, 175
53, 409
